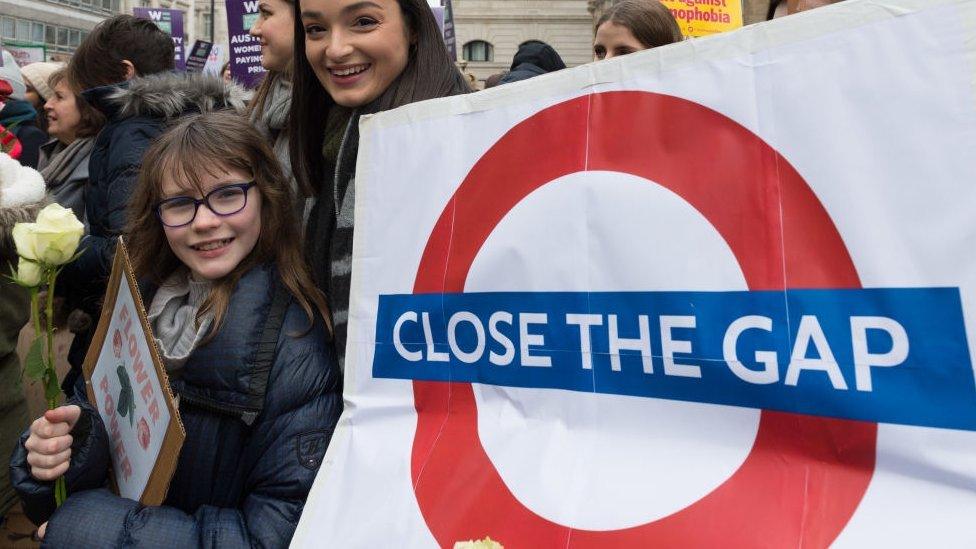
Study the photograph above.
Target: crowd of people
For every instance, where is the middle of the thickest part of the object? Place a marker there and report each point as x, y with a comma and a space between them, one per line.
238, 210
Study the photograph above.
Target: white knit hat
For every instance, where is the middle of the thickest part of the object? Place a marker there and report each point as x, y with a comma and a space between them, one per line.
37, 75
11, 73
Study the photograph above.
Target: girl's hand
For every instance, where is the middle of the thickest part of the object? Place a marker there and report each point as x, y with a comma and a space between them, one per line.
41, 531
49, 444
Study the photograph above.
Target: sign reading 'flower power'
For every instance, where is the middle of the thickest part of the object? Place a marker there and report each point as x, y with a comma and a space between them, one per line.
128, 385
650, 302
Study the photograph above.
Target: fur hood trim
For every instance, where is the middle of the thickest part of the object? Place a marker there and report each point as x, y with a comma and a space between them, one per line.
169, 95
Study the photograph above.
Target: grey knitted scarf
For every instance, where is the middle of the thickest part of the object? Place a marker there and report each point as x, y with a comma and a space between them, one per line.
173, 318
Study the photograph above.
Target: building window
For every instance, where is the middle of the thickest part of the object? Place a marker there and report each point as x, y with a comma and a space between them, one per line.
56, 40
478, 50
9, 28
23, 30
100, 7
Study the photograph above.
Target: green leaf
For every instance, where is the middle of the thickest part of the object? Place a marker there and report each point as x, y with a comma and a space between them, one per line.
34, 364
52, 389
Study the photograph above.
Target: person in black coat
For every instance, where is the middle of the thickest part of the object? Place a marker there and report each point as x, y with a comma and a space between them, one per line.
239, 326
533, 58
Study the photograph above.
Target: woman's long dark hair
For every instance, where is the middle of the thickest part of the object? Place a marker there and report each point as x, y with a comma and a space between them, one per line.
430, 73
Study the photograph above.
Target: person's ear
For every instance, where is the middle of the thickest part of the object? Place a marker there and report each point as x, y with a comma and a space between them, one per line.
130, 69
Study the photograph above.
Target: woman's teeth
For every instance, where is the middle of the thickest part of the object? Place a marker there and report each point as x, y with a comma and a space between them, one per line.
349, 71
213, 245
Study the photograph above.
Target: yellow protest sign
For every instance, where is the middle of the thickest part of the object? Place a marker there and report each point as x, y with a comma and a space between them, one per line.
704, 17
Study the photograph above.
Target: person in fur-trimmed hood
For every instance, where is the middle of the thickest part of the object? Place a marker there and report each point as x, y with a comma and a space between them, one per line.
125, 67
21, 196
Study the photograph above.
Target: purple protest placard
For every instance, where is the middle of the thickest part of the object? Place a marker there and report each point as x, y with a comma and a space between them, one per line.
447, 28
245, 50
444, 15
170, 22
198, 56
439, 17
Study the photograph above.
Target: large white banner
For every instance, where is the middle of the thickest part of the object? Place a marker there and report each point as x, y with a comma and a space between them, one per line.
717, 294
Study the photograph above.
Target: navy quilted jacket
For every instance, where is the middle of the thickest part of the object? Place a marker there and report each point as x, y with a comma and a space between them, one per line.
243, 473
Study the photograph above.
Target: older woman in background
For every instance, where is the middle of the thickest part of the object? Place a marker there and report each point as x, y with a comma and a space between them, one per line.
73, 124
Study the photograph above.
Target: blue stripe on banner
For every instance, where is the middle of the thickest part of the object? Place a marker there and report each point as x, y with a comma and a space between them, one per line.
880, 355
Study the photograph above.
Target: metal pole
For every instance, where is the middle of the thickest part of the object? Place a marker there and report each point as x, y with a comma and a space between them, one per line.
212, 15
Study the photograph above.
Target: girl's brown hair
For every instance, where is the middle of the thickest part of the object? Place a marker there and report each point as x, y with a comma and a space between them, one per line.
650, 21
210, 144
92, 119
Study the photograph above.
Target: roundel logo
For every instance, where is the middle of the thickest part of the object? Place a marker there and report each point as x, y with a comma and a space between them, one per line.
801, 469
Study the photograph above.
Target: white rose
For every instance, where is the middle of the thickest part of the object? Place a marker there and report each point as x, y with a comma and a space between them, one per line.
53, 239
28, 274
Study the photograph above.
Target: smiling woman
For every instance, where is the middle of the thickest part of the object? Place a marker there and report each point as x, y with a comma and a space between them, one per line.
273, 29
356, 49
353, 57
268, 110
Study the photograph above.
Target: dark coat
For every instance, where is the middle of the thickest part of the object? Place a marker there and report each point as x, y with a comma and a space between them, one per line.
237, 484
14, 314
533, 58
20, 118
137, 112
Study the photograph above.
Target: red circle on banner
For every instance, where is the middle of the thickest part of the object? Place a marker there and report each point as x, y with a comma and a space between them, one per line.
804, 476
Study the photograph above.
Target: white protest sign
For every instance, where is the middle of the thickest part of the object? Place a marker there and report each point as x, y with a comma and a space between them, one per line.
25, 54
716, 294
215, 60
131, 392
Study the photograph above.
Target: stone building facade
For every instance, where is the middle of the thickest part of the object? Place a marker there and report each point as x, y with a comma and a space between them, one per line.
58, 25
490, 31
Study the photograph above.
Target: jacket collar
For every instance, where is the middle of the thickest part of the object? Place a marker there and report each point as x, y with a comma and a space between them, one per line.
99, 98
220, 371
